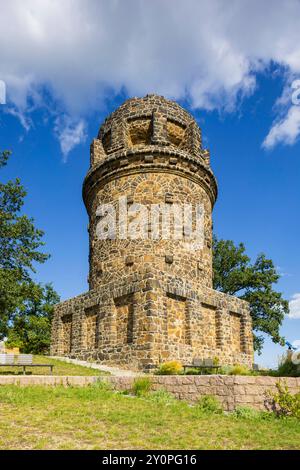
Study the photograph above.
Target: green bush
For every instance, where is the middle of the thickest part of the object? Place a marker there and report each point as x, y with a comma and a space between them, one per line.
162, 397
283, 403
240, 369
209, 404
237, 369
202, 371
225, 370
103, 385
170, 368
287, 368
141, 386
216, 361
245, 412
266, 372
192, 371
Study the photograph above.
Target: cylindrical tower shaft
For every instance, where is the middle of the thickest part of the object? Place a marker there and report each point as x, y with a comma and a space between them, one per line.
150, 182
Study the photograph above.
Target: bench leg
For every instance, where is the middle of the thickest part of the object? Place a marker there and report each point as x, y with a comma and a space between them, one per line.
24, 370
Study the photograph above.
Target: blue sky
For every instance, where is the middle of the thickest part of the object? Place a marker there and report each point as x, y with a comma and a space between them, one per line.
63, 78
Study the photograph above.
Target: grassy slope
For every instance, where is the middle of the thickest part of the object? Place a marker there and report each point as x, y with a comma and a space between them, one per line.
92, 418
60, 368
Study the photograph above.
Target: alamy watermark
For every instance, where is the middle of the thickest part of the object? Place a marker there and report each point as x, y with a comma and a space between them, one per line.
127, 220
2, 92
296, 93
295, 357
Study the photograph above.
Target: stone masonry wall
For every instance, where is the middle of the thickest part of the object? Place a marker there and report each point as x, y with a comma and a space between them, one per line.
231, 391
166, 320
110, 258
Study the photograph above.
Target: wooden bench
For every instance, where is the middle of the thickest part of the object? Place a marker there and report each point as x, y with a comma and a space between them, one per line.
22, 360
202, 364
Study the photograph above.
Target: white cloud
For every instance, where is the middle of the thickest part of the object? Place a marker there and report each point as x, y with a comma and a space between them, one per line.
294, 305
207, 52
69, 134
21, 115
287, 130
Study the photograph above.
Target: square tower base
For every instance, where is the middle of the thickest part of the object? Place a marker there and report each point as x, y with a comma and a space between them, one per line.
150, 319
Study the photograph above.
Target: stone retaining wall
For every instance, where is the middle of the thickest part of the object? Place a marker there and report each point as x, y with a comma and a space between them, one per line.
232, 391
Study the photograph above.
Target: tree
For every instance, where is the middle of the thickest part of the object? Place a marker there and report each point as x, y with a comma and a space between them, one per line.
20, 242
31, 323
234, 274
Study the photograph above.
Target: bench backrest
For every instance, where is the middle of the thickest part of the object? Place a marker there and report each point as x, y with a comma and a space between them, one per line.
24, 359
203, 362
7, 359
208, 362
197, 362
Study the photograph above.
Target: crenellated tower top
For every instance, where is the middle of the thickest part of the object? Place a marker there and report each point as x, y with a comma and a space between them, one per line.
144, 127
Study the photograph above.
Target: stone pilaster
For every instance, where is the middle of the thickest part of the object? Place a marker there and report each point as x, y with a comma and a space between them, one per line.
159, 129
97, 153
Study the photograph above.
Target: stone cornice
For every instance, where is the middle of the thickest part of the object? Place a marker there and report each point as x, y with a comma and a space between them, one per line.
154, 159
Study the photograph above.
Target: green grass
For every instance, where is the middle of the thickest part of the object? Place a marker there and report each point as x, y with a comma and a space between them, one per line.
60, 368
95, 418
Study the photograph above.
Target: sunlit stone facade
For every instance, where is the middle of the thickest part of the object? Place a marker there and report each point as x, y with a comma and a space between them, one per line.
150, 299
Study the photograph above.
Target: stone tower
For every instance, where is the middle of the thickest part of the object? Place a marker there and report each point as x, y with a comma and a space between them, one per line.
150, 296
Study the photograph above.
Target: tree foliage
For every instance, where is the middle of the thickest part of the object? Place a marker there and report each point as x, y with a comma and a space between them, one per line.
234, 274
20, 244
31, 322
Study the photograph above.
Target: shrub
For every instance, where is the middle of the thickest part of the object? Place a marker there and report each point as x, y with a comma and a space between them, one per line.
245, 412
209, 404
103, 385
267, 372
192, 371
141, 386
283, 403
287, 368
170, 368
225, 370
216, 361
162, 396
240, 369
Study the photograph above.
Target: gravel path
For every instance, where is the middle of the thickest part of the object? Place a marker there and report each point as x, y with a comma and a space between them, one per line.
94, 365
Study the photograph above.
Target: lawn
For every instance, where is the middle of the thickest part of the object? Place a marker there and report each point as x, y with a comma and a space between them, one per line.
94, 418
60, 368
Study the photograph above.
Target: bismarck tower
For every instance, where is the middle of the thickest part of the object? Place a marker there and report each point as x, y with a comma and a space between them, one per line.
150, 296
